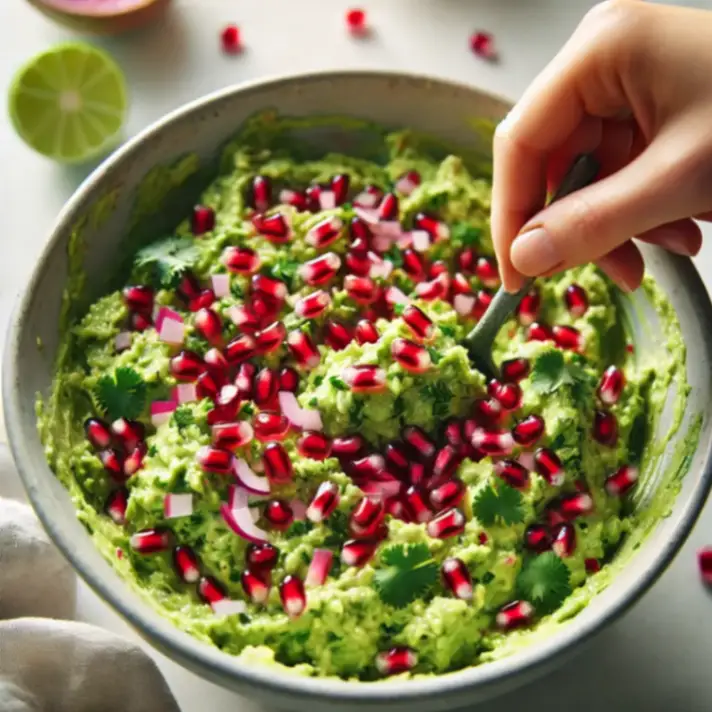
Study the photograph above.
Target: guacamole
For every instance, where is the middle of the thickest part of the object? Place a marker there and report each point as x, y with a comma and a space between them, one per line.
274, 432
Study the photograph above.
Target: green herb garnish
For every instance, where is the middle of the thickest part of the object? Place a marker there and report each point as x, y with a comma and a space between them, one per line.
544, 582
447, 330
183, 417
550, 372
435, 355
498, 503
466, 234
169, 258
395, 256
440, 395
285, 270
122, 395
399, 308
409, 572
338, 383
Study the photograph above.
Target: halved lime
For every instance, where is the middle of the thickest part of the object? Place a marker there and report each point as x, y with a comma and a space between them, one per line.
69, 102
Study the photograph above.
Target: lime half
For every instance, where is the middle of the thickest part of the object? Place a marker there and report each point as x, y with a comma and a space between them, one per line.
69, 102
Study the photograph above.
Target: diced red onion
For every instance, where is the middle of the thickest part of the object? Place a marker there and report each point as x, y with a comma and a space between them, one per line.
369, 215
185, 393
122, 341
220, 284
327, 200
319, 567
298, 416
365, 201
405, 186
526, 460
421, 240
249, 480
383, 490
237, 516
162, 313
227, 607
380, 268
170, 326
177, 505
464, 304
161, 411
397, 296
299, 510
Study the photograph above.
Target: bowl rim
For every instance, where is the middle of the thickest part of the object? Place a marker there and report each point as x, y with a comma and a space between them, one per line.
214, 663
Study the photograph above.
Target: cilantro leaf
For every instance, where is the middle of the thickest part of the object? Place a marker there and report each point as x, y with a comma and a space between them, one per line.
395, 256
285, 270
409, 572
337, 383
122, 395
399, 308
550, 372
466, 234
447, 330
183, 417
435, 355
500, 502
170, 258
440, 395
544, 582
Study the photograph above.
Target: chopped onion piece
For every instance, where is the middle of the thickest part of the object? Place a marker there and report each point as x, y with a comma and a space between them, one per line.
464, 304
172, 331
227, 607
239, 519
299, 510
161, 411
122, 341
421, 240
298, 416
368, 215
220, 284
162, 313
249, 480
365, 200
177, 505
185, 393
327, 200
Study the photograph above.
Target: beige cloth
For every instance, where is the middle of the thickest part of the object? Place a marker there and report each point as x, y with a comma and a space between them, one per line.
48, 664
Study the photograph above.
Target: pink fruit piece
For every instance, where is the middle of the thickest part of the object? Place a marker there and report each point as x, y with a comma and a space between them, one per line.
324, 502
457, 578
293, 597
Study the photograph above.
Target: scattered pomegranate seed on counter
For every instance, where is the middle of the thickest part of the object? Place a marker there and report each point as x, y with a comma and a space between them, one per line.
231, 39
482, 44
356, 22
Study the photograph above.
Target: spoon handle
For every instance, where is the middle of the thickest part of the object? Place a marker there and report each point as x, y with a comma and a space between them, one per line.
479, 341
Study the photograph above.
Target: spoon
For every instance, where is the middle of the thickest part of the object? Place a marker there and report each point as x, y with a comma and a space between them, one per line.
480, 340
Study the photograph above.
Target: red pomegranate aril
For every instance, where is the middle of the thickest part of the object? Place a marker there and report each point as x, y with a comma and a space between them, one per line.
292, 595
324, 502
288, 380
203, 219
128, 432
448, 494
437, 229
186, 564
416, 473
223, 413
279, 514
514, 474
230, 436
271, 288
214, 459
261, 193
460, 284
408, 182
205, 298
240, 349
139, 298
324, 232
264, 307
549, 466
453, 433
151, 541
396, 661
270, 338
230, 39
436, 288
447, 524
364, 378
210, 590
273, 227
356, 22
241, 260
133, 462
466, 260
621, 481
255, 586
337, 336
358, 552
704, 563
216, 364
303, 350
416, 502
509, 395
340, 187
486, 411
98, 433
482, 302
396, 456
537, 538
140, 322
397, 509
564, 540
245, 318
367, 514
516, 614
313, 445
261, 557
515, 370
493, 442
360, 234
321, 269
420, 324
265, 387
367, 468
365, 332
567, 337
348, 447
592, 566
414, 264
312, 195
116, 505
539, 332
410, 356
358, 265
209, 324
576, 300
605, 428
527, 431
295, 198
388, 208
528, 309
421, 444
362, 290
572, 506
446, 463
486, 272
457, 578
611, 385
189, 287
277, 463
245, 380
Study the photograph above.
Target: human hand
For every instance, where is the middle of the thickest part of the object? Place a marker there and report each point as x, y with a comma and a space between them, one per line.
632, 86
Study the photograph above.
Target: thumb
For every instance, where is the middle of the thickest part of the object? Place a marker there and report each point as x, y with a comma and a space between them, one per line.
588, 224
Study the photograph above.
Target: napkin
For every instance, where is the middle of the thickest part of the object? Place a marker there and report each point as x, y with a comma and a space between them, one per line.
48, 663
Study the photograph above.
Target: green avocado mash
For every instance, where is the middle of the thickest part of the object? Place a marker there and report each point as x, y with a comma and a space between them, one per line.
517, 548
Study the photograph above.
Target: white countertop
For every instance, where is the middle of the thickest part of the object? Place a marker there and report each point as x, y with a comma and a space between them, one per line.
657, 657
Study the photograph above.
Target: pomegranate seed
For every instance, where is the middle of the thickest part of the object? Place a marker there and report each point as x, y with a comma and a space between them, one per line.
213, 459
288, 380
460, 285
576, 300
140, 322
449, 494
446, 463
482, 44
592, 566
564, 540
321, 269
515, 370
605, 428
539, 332
416, 503
274, 227
515, 615
388, 209
419, 323
434, 289
447, 524
151, 541
97, 432
261, 193
230, 436
369, 468
294, 198
264, 307
549, 466
421, 444
270, 338
186, 564
397, 509
396, 660
211, 590
216, 364
245, 380
139, 298
209, 324
361, 289
366, 516
271, 288
266, 385
358, 552
437, 229
230, 38
207, 386
566, 337
240, 349
526, 432
512, 473
279, 514
277, 464
313, 445
336, 335
244, 318
457, 578
116, 505
356, 22
261, 557
704, 562
241, 260
366, 332
493, 442
203, 219
416, 473
358, 265
294, 599
254, 586
486, 411
486, 272
413, 264
202, 301
348, 447
622, 480
572, 506
303, 350
324, 502
396, 457
536, 538
270, 426
128, 432
611, 385
324, 232
223, 413
508, 395
408, 182
453, 433
410, 356
133, 461
482, 302
467, 259
361, 235
189, 287
363, 378
312, 195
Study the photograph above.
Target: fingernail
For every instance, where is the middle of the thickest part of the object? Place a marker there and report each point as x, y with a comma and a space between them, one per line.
610, 266
534, 252
671, 241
